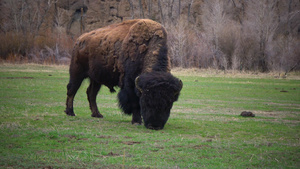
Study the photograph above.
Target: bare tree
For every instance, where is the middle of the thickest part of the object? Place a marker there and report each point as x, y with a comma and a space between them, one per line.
141, 9
24, 19
131, 7
284, 54
189, 9
170, 9
283, 50
214, 19
261, 24
149, 8
161, 12
202, 55
179, 8
178, 43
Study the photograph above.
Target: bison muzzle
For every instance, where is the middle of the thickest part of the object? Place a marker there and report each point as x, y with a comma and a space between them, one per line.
132, 55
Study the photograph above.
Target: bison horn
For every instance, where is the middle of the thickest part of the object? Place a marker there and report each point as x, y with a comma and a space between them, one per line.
137, 84
181, 84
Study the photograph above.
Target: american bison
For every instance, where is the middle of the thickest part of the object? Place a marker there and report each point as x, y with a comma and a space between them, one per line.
132, 55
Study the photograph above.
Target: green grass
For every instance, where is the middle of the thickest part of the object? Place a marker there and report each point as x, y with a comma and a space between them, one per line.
203, 131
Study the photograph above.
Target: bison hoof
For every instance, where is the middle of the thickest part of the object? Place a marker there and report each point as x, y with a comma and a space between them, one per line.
136, 123
69, 112
97, 115
154, 128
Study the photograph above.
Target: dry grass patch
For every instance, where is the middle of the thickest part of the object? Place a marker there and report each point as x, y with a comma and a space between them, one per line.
233, 74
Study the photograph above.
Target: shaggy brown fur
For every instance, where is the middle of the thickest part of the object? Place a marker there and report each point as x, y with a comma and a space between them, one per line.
111, 46
114, 56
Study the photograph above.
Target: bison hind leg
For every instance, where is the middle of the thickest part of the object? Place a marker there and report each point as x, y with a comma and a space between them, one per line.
69, 112
72, 88
77, 75
92, 92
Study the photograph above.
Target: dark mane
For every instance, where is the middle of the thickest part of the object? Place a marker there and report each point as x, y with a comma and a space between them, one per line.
163, 64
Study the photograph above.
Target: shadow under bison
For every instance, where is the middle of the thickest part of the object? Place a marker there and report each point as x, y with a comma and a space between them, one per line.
134, 56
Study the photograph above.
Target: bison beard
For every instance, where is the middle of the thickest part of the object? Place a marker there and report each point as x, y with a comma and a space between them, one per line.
133, 56
157, 92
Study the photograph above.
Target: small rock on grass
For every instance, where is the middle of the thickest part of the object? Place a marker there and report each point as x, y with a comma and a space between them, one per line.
247, 114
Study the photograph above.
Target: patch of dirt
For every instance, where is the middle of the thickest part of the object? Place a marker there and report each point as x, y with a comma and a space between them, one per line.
48, 167
288, 105
131, 142
194, 146
17, 77
200, 146
177, 146
158, 147
279, 114
128, 137
72, 137
113, 154
102, 136
290, 118
268, 144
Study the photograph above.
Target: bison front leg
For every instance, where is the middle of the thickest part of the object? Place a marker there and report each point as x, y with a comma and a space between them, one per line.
129, 103
69, 110
92, 92
136, 117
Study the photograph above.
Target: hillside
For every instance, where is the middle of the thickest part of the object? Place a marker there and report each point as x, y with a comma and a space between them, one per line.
223, 34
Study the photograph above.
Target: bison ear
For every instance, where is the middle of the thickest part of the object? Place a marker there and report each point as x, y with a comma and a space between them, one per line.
137, 84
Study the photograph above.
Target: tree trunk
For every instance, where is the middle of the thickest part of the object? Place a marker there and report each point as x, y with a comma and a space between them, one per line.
141, 9
161, 12
262, 56
149, 8
189, 9
179, 6
131, 7
170, 13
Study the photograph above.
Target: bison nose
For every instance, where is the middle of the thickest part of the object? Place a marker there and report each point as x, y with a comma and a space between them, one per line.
154, 127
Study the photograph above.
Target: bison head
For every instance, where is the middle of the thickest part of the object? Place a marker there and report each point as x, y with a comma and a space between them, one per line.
157, 92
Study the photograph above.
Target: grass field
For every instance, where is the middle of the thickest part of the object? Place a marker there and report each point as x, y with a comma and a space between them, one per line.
205, 129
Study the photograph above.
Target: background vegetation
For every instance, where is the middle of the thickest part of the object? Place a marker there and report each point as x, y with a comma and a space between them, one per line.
222, 34
205, 129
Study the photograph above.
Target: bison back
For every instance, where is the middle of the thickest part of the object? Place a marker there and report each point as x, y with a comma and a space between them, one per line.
134, 46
